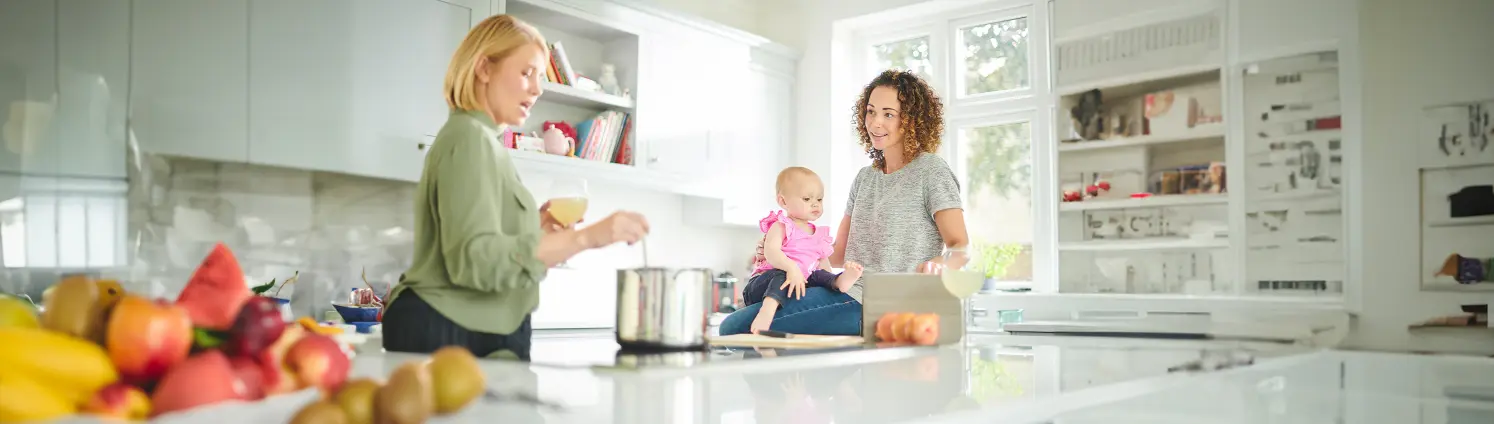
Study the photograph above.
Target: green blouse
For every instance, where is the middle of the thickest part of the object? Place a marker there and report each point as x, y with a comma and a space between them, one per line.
476, 230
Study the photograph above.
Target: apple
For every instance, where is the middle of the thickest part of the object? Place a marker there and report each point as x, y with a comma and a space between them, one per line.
257, 325
924, 329
900, 327
121, 401
278, 377
884, 327
146, 338
318, 360
251, 374
203, 379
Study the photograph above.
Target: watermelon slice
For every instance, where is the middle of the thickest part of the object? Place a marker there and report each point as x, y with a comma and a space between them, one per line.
216, 291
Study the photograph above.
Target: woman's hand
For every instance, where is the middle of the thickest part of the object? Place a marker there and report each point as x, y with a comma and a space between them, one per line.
794, 285
622, 226
549, 223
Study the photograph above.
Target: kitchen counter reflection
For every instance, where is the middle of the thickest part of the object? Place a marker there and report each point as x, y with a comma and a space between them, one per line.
988, 376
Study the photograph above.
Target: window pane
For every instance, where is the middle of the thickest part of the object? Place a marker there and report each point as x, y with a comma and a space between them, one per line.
995, 55
911, 54
997, 163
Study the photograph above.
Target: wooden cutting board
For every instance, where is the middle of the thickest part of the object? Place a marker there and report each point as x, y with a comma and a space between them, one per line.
799, 341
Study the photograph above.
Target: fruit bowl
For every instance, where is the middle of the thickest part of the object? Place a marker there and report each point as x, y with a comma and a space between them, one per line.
352, 313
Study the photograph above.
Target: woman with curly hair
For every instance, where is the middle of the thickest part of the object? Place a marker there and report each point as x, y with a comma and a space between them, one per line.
903, 210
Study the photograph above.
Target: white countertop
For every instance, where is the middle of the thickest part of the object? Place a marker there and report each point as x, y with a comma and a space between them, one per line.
1007, 379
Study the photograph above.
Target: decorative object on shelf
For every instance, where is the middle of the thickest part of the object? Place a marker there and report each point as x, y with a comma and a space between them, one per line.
1202, 105
1465, 270
584, 83
1086, 116
608, 80
1474, 200
525, 143
1474, 137
560, 138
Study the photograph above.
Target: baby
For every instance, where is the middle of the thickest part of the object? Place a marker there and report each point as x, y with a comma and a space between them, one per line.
796, 253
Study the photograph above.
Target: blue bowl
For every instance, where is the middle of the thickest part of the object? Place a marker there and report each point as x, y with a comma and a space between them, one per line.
364, 327
352, 314
282, 301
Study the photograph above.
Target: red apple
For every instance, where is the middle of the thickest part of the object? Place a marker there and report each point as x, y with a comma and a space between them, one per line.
250, 374
258, 324
318, 360
146, 338
203, 379
924, 329
121, 401
278, 377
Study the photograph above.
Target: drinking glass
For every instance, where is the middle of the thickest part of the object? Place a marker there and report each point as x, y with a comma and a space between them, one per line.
568, 202
960, 270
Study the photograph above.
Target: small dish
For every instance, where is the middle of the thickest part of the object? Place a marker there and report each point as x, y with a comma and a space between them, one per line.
353, 314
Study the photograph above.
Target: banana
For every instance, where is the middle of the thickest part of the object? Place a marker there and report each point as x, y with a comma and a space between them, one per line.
70, 366
24, 399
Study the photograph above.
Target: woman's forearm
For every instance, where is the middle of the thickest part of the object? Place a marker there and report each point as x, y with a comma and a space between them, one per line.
559, 246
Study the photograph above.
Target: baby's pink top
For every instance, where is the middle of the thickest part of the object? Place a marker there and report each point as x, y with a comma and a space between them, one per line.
805, 249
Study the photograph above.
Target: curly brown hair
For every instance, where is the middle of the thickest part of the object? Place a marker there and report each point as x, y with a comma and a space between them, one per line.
922, 123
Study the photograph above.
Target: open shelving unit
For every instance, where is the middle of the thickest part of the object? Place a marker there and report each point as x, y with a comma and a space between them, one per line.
587, 42
1456, 163
1140, 111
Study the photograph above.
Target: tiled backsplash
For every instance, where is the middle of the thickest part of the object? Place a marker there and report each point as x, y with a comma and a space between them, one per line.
329, 227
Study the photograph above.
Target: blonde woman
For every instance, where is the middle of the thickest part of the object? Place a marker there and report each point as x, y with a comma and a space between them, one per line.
482, 245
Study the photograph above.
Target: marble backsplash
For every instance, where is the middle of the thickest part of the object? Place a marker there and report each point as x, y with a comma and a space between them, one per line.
151, 230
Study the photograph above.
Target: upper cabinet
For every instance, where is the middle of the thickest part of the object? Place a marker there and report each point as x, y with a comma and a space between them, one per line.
190, 78
28, 86
691, 99
356, 88
64, 68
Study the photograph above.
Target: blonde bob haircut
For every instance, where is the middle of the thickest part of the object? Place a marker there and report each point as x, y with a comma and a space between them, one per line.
493, 39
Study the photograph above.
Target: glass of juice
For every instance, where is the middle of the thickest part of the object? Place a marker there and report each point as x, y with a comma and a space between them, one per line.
960, 270
568, 205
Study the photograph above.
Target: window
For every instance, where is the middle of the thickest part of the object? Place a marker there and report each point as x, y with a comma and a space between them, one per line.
57, 223
990, 67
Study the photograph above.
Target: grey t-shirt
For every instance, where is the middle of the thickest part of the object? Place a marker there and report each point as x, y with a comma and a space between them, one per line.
892, 216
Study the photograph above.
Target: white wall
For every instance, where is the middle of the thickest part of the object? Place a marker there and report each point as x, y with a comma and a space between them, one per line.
1415, 54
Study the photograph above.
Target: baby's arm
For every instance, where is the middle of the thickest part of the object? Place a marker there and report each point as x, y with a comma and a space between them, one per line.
773, 251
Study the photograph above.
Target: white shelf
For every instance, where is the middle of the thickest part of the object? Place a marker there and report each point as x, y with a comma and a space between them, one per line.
1139, 82
1450, 286
1207, 133
1158, 243
1461, 222
568, 95
596, 172
1146, 202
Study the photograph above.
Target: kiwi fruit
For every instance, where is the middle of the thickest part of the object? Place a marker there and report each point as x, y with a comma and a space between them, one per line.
320, 412
456, 378
357, 400
73, 309
407, 398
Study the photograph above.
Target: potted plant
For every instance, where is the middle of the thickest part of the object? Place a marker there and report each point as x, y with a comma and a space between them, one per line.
995, 259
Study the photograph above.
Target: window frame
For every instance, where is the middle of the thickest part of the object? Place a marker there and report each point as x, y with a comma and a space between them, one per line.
1033, 104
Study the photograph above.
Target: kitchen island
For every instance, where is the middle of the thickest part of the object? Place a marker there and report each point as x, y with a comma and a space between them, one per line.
1008, 379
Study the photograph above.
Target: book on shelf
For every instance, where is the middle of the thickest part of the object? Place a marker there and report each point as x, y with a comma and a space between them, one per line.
606, 137
560, 70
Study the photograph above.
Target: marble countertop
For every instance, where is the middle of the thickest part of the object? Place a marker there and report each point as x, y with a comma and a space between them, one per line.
1009, 379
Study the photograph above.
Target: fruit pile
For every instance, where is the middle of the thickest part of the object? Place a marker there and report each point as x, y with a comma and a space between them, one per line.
99, 350
907, 327
443, 384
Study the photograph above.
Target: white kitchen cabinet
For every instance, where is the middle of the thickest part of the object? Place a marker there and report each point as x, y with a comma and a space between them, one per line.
28, 86
758, 157
93, 76
189, 79
689, 100
356, 88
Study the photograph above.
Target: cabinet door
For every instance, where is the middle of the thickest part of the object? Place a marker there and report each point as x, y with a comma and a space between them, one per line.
688, 93
189, 80
356, 88
757, 156
93, 87
28, 86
